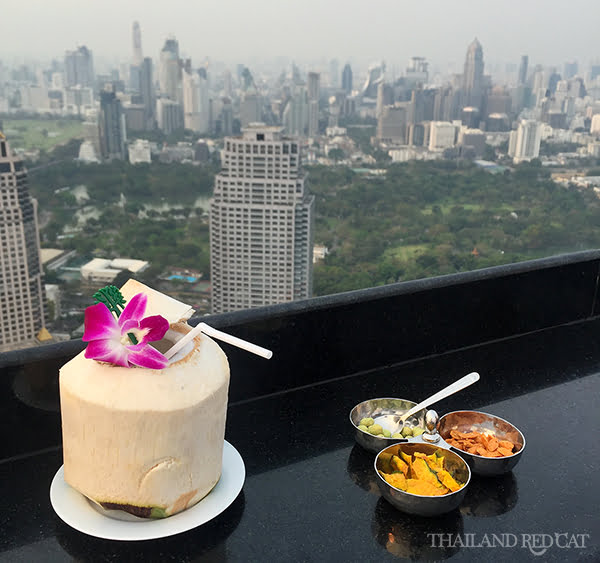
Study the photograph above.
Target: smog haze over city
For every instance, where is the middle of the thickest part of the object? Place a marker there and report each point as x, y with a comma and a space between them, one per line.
549, 31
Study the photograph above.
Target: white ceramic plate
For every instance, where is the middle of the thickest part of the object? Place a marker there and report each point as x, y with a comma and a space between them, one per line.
80, 513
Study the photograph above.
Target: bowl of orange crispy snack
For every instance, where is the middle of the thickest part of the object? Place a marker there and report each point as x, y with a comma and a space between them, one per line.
488, 443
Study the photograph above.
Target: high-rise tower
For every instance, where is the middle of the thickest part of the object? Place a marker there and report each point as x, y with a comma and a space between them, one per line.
347, 79
295, 115
111, 126
147, 93
313, 103
334, 74
523, 70
473, 75
375, 75
195, 101
21, 288
79, 67
260, 223
138, 57
170, 71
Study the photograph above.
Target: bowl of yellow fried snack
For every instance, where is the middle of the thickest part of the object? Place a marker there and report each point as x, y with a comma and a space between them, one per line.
422, 479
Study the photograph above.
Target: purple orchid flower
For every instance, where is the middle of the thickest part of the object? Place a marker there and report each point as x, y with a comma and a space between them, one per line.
108, 338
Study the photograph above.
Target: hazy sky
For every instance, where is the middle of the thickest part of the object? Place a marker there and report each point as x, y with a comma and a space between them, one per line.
549, 31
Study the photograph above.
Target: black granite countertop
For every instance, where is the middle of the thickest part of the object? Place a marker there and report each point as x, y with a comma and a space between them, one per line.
310, 493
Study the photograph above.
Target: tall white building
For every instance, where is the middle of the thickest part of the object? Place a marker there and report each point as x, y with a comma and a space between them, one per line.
195, 102
260, 222
169, 75
524, 143
595, 125
21, 286
442, 135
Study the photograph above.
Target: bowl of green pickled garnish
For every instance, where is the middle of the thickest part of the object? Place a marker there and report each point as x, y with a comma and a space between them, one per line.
375, 422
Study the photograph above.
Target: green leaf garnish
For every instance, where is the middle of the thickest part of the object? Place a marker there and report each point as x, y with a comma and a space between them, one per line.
114, 300
111, 297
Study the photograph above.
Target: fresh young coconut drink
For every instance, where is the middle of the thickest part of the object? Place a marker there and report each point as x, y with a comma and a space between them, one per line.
141, 432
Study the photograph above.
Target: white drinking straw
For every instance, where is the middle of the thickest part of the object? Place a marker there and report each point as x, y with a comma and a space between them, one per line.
210, 331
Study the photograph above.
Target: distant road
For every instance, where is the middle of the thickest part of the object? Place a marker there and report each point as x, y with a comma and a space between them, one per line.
29, 170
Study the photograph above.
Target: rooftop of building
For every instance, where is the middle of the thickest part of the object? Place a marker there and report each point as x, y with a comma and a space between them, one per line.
116, 263
49, 254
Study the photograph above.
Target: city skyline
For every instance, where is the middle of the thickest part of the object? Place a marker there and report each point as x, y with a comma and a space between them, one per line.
347, 30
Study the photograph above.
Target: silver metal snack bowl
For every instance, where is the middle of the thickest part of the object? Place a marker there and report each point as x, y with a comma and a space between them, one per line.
475, 421
428, 443
382, 410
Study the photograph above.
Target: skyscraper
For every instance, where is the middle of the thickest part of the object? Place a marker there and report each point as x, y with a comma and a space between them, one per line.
295, 115
385, 97
523, 70
138, 57
473, 75
169, 76
147, 92
227, 116
313, 103
347, 79
195, 102
521, 94
260, 223
111, 126
21, 288
375, 75
334, 73
135, 69
79, 67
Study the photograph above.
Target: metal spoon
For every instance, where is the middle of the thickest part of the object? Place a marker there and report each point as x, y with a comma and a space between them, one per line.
397, 422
